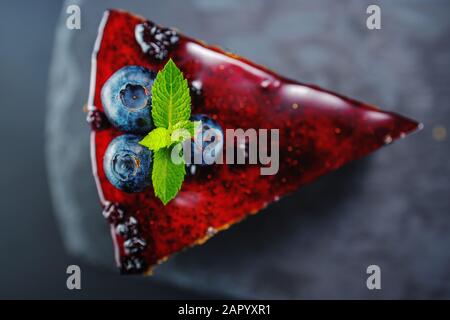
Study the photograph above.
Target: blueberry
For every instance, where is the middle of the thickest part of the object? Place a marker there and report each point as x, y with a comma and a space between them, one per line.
211, 132
127, 99
127, 164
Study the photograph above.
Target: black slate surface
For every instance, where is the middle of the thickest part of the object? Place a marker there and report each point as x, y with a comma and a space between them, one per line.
391, 209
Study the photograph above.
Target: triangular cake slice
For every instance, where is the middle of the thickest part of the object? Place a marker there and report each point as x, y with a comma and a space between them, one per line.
319, 131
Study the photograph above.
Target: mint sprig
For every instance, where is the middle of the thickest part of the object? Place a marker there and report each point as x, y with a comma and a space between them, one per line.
171, 110
167, 177
171, 102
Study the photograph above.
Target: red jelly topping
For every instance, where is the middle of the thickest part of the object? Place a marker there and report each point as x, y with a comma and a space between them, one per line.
319, 131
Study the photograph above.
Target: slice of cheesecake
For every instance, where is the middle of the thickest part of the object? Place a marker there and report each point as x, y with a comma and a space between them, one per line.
319, 131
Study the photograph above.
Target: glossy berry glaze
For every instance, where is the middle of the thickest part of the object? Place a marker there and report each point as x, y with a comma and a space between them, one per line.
319, 132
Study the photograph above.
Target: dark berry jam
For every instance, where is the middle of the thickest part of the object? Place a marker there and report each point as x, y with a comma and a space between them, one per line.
154, 40
319, 131
129, 245
97, 119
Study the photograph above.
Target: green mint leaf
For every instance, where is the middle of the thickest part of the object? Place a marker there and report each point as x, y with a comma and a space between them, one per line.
167, 177
179, 135
171, 110
171, 102
184, 130
184, 124
157, 139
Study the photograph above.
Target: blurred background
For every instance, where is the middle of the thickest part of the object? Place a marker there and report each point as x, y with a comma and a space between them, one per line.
391, 209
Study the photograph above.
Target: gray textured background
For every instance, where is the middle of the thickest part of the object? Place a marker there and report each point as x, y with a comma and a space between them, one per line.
391, 209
